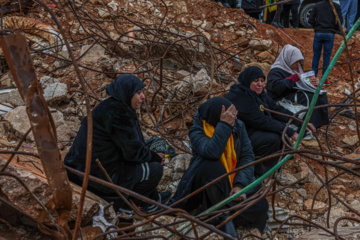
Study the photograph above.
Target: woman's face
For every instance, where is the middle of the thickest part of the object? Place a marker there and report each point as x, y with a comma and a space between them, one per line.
137, 99
296, 65
258, 85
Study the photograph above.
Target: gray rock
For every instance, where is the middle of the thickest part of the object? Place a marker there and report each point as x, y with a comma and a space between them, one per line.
92, 53
12, 97
285, 178
47, 80
55, 92
19, 121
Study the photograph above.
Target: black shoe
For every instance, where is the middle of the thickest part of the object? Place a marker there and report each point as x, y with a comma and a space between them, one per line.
164, 197
228, 228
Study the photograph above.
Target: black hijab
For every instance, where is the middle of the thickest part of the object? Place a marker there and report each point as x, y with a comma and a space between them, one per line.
211, 109
124, 87
250, 74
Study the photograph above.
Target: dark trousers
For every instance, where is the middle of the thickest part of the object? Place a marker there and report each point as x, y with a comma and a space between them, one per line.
278, 13
295, 15
265, 143
325, 42
146, 179
208, 171
255, 216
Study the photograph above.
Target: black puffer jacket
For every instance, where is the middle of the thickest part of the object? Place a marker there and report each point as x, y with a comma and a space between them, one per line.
117, 139
212, 148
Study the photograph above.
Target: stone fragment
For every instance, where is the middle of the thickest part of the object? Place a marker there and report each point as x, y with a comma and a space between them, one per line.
285, 178
92, 53
319, 207
12, 97
55, 92
260, 44
351, 140
20, 122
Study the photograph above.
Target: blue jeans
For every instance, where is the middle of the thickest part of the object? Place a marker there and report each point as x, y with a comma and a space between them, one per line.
320, 40
349, 10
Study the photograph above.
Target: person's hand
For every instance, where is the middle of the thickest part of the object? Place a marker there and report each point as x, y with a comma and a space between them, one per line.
162, 158
295, 136
295, 77
311, 127
229, 116
236, 190
314, 81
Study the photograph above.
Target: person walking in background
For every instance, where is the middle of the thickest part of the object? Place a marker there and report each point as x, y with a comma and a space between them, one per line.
276, 20
292, 6
251, 7
323, 20
349, 10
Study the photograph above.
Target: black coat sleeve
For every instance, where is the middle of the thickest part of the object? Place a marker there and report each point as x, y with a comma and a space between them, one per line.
254, 117
278, 84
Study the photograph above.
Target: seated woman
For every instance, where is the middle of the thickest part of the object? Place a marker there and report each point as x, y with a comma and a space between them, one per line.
264, 128
220, 144
282, 78
119, 145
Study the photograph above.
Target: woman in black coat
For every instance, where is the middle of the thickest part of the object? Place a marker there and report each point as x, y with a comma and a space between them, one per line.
119, 145
264, 128
219, 144
282, 78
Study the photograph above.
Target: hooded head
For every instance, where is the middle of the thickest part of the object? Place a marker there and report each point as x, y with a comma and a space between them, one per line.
210, 110
124, 87
287, 57
250, 74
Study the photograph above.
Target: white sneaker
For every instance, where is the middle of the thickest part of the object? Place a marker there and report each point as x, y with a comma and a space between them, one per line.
308, 136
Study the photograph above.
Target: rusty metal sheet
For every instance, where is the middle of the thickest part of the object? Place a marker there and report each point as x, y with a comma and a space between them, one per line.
18, 58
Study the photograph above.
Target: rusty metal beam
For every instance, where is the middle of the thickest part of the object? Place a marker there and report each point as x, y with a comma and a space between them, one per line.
19, 60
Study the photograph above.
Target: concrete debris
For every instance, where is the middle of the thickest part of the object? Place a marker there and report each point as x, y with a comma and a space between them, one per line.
37, 183
346, 233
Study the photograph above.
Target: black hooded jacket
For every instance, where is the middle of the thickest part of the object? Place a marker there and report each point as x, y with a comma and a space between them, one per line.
250, 105
322, 17
117, 138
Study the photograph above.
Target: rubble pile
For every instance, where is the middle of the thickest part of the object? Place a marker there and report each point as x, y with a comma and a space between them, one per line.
186, 52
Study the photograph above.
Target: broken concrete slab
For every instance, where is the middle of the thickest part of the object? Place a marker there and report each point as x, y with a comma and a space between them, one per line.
36, 181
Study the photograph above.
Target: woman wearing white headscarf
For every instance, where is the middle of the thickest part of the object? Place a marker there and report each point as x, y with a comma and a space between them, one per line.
282, 78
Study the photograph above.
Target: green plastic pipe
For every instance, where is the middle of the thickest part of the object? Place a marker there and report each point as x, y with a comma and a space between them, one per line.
301, 133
